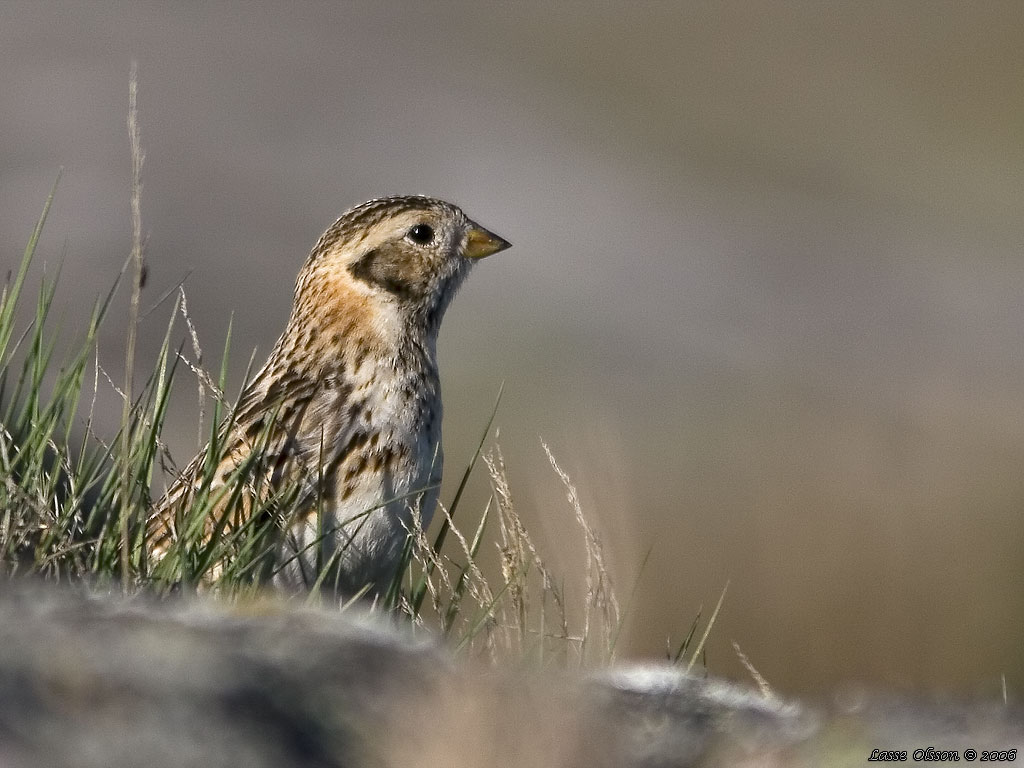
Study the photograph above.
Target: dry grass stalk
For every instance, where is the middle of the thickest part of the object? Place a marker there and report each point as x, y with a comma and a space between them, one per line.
600, 591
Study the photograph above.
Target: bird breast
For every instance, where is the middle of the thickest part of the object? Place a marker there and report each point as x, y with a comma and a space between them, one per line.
394, 438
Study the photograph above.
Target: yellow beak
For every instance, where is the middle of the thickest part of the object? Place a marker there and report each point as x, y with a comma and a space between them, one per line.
480, 243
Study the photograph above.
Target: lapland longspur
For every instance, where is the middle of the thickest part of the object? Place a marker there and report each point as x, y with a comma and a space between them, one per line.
347, 409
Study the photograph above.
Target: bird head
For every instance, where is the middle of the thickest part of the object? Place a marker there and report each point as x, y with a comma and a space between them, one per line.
399, 257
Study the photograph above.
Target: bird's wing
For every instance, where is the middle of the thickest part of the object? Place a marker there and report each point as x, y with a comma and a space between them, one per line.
269, 421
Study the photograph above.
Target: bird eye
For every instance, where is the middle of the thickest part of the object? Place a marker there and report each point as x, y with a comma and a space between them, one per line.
422, 234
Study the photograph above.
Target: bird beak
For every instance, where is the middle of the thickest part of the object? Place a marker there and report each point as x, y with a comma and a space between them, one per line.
481, 243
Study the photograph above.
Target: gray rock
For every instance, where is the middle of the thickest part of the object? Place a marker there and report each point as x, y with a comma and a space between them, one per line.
103, 681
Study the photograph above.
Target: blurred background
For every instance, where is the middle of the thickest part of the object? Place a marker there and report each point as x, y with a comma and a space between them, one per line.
765, 304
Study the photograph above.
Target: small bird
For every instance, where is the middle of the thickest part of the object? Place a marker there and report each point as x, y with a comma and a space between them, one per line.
347, 408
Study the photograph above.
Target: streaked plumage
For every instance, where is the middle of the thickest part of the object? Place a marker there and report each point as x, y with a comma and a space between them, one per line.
349, 403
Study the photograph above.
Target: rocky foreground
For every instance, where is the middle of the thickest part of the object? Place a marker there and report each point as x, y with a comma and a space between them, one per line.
100, 681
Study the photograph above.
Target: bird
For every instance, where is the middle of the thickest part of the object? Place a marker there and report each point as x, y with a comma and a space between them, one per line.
346, 412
